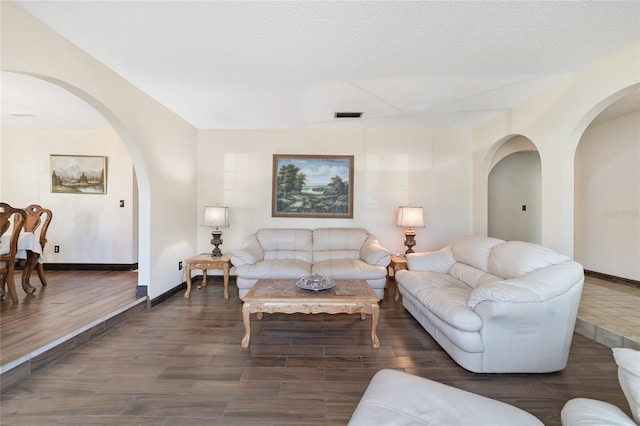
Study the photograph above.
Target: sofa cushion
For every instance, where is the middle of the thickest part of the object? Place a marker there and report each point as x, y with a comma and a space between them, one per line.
628, 361
436, 261
517, 258
471, 276
413, 281
348, 269
450, 305
275, 268
286, 244
338, 243
474, 250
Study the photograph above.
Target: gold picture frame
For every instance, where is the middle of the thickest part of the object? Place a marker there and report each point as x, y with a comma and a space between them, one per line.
78, 174
312, 186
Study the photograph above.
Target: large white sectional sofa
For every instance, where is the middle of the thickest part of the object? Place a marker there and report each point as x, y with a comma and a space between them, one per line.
282, 253
496, 306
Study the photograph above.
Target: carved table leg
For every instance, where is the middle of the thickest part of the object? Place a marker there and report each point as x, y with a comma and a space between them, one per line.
246, 319
375, 315
225, 269
187, 270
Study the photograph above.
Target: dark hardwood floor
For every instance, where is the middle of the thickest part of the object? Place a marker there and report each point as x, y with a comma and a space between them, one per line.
180, 363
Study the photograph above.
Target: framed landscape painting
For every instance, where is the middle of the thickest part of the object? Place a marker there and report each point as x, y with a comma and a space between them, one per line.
314, 186
78, 174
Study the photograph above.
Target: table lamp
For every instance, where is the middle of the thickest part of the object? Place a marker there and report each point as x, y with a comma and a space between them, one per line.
216, 216
410, 217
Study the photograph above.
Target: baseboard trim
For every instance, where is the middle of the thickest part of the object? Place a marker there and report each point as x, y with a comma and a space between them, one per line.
613, 278
91, 266
167, 294
182, 287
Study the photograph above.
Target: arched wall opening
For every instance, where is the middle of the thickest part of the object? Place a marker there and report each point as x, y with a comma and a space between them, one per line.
88, 212
162, 145
514, 190
607, 187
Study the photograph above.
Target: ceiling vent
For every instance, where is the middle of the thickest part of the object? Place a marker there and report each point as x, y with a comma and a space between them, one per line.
22, 115
348, 115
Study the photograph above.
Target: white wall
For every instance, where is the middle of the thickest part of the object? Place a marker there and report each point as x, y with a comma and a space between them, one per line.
607, 225
89, 228
162, 146
514, 182
392, 168
554, 121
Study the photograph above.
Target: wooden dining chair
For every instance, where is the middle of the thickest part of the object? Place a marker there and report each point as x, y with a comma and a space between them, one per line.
37, 225
11, 222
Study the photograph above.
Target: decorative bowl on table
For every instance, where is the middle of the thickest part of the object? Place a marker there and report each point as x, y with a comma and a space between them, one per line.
315, 282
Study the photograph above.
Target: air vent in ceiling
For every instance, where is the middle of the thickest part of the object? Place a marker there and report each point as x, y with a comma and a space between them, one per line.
348, 114
22, 115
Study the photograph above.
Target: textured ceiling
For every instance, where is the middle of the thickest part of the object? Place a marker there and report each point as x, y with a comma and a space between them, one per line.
237, 64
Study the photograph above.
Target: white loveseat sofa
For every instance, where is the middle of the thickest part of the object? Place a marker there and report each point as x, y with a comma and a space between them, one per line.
282, 253
496, 306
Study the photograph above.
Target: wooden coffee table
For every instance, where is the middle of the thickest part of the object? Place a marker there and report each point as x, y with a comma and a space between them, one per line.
283, 296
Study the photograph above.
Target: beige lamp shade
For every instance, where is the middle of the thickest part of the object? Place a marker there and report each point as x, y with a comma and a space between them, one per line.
216, 216
410, 217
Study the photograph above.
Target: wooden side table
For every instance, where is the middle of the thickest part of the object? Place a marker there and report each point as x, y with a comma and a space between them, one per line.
205, 262
397, 263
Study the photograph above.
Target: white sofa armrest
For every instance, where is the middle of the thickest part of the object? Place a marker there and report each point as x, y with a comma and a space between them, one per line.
373, 253
249, 254
398, 398
591, 412
433, 261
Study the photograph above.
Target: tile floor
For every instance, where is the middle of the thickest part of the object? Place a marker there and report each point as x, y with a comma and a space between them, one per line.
610, 313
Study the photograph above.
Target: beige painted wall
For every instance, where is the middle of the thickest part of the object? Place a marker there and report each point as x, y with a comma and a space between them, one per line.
515, 182
392, 168
89, 228
608, 197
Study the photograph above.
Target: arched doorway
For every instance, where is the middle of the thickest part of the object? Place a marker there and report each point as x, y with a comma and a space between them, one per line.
514, 191
96, 229
607, 190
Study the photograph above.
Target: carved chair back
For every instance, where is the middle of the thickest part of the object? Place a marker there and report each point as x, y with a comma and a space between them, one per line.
34, 219
11, 219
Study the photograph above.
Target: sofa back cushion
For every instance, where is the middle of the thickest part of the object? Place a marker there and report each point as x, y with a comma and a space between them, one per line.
280, 243
474, 251
471, 276
514, 259
338, 243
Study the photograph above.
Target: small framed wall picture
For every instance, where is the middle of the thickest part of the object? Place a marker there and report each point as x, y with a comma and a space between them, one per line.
78, 174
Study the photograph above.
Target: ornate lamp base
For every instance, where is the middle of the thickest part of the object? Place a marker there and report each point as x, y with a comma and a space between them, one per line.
216, 241
410, 240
